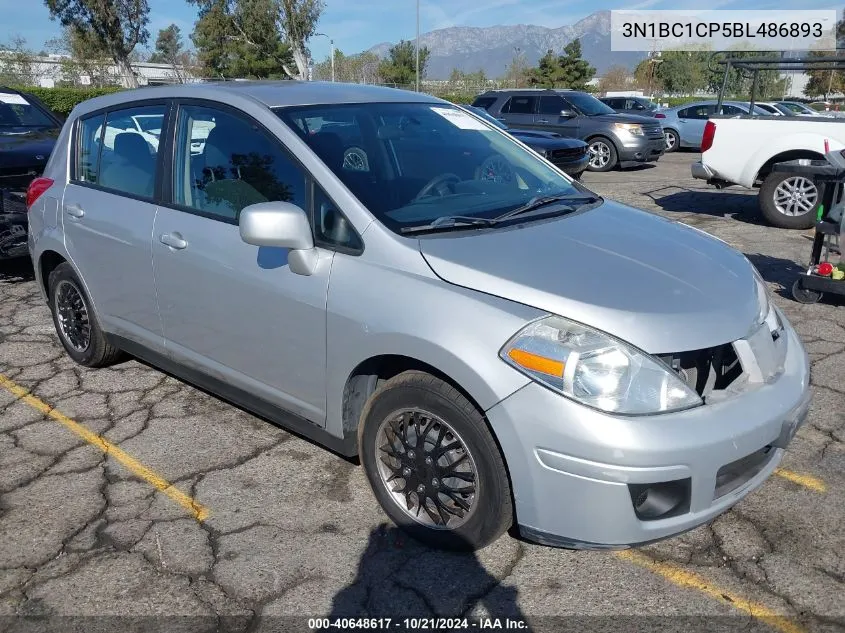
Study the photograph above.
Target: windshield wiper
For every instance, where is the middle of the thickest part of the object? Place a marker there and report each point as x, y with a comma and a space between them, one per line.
541, 201
449, 223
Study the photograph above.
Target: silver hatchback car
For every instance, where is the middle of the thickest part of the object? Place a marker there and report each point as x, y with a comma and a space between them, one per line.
397, 279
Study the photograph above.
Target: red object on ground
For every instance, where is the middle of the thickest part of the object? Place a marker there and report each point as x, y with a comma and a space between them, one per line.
825, 269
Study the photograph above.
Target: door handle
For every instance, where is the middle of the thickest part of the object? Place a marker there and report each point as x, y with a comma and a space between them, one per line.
543, 121
74, 211
173, 240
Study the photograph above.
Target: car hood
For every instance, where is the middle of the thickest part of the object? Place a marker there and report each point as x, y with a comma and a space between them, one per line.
660, 285
21, 147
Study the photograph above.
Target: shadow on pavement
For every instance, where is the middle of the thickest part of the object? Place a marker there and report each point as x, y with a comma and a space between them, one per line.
399, 578
741, 206
16, 270
784, 272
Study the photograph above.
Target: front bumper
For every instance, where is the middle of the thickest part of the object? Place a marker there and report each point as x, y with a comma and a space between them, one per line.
701, 171
641, 150
571, 466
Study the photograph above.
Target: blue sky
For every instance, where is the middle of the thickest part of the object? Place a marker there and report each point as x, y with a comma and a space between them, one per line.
356, 25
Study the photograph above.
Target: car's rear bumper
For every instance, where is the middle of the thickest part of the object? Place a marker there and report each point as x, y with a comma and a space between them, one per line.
701, 171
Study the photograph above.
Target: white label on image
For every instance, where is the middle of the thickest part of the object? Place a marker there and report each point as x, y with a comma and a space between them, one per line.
460, 119
12, 98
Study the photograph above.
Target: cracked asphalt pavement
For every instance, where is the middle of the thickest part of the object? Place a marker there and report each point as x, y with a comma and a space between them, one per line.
293, 530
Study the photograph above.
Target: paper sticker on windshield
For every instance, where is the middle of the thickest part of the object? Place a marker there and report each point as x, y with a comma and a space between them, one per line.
460, 119
6, 97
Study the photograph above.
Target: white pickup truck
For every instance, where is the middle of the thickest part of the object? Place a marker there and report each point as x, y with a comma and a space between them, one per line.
742, 150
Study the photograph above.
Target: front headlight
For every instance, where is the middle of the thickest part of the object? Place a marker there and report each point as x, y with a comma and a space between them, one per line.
634, 129
595, 369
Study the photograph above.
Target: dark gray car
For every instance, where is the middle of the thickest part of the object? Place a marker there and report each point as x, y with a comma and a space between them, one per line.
613, 139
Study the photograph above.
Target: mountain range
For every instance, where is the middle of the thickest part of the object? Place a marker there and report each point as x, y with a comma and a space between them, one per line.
492, 49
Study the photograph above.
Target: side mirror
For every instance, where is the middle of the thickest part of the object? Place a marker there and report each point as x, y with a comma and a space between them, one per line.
568, 114
281, 225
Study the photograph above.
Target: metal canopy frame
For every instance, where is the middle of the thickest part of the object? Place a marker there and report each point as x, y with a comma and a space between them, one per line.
750, 67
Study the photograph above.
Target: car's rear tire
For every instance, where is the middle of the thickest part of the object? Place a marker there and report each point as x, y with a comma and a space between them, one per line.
673, 141
789, 201
457, 499
76, 324
603, 155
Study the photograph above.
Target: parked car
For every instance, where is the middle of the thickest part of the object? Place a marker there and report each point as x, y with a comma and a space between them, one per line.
496, 343
800, 109
742, 151
683, 126
630, 105
774, 109
28, 131
613, 139
569, 154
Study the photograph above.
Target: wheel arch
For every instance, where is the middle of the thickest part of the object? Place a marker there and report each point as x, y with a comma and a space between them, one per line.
48, 261
766, 168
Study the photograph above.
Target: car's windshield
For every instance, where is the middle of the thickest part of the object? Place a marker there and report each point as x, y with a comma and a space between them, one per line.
413, 163
587, 104
17, 111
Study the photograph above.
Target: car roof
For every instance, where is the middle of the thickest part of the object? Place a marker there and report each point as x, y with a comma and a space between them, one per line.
269, 93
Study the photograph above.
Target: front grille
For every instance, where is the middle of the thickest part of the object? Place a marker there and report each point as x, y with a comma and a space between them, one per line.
569, 153
653, 130
706, 370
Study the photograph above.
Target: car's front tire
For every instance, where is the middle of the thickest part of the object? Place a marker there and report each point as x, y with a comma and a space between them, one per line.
789, 201
603, 155
75, 321
433, 464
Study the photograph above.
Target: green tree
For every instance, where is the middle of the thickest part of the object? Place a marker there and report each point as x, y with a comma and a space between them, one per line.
683, 72
170, 49
400, 66
117, 27
769, 82
569, 70
576, 72
548, 73
241, 39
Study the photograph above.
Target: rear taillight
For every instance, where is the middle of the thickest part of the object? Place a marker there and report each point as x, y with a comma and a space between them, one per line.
709, 133
659, 115
35, 189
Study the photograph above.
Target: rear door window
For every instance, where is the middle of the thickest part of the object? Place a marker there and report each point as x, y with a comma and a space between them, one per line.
128, 157
521, 105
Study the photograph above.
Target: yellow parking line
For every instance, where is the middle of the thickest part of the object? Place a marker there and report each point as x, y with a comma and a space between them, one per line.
199, 512
683, 578
808, 481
